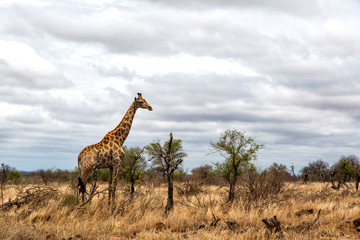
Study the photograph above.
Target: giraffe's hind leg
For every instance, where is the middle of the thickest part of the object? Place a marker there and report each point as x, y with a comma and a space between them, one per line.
111, 172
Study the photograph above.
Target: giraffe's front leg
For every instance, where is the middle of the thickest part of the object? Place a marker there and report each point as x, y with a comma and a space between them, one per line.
111, 172
114, 183
116, 168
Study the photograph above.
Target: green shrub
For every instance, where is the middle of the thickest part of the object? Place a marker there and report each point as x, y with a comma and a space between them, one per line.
70, 200
15, 177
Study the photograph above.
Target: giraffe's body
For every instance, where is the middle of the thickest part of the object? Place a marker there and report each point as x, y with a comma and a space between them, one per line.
108, 153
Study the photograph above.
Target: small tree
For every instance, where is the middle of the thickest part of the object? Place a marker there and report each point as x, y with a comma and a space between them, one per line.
316, 171
133, 166
347, 167
238, 151
167, 159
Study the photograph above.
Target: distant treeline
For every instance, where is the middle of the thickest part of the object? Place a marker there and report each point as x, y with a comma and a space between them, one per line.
346, 167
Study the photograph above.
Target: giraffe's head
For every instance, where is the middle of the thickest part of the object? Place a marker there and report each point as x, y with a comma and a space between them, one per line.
140, 102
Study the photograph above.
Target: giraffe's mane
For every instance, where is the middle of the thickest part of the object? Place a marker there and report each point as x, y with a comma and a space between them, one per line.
122, 120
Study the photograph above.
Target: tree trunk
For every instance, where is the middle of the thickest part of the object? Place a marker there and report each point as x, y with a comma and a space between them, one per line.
170, 200
232, 189
132, 188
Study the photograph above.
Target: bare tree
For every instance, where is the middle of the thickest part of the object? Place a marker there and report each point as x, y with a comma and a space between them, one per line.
167, 159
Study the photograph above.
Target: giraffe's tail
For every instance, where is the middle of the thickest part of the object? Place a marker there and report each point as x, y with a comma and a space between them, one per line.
81, 185
79, 165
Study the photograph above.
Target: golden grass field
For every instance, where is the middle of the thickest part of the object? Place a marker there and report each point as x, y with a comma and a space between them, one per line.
58, 217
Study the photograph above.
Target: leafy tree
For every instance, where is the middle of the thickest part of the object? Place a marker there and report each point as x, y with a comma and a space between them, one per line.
348, 166
133, 166
238, 151
167, 158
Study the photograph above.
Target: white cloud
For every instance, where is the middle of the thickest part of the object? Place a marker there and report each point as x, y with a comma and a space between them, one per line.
23, 2
21, 66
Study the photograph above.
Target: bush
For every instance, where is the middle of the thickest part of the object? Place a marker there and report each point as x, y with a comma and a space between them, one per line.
189, 188
316, 171
261, 186
70, 200
15, 177
205, 175
103, 174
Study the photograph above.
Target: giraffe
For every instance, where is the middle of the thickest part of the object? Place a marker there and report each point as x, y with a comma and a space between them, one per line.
108, 153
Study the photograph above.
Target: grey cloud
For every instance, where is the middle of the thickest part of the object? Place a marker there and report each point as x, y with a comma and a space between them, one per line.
151, 32
27, 117
198, 89
303, 102
126, 33
60, 109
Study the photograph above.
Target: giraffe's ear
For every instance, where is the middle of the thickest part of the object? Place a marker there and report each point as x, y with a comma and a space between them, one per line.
135, 99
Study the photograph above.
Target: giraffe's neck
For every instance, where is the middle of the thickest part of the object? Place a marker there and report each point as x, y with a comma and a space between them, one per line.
122, 130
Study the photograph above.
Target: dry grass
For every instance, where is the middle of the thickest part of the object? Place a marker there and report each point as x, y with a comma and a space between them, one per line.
143, 217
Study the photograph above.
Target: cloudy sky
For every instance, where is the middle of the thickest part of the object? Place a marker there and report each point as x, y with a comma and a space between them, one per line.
285, 72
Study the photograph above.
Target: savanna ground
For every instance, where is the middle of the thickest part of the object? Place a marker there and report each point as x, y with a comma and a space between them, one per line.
55, 214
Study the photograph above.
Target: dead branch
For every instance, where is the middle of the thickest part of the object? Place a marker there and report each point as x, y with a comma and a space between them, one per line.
272, 224
216, 220
349, 187
93, 195
317, 217
232, 224
34, 195
305, 226
301, 212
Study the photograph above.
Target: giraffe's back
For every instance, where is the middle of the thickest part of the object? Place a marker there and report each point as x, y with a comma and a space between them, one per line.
87, 158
